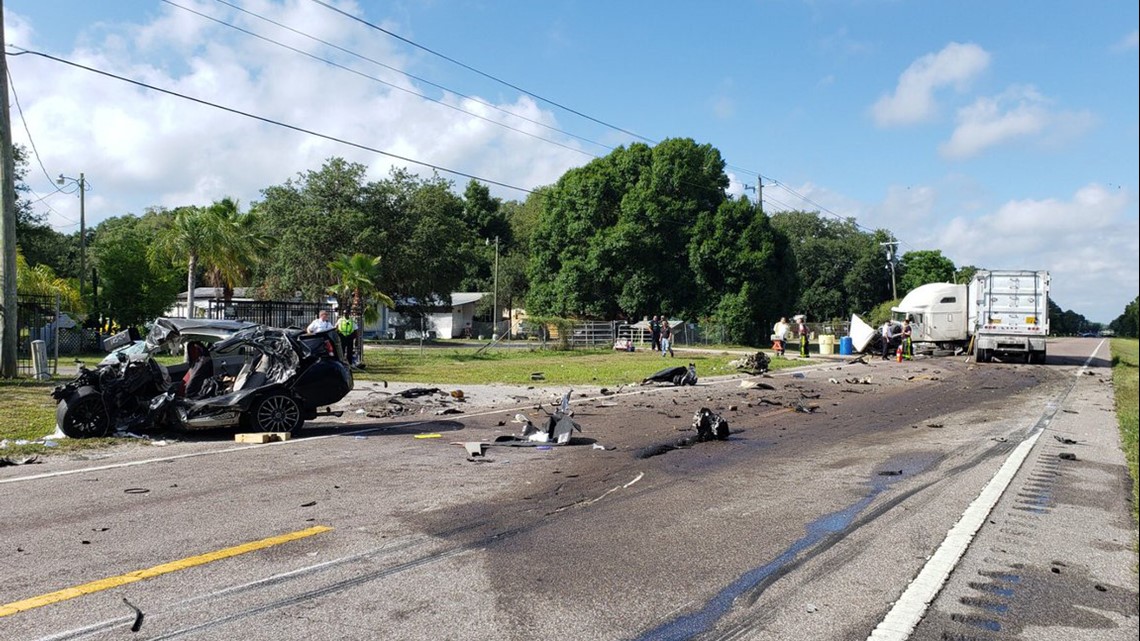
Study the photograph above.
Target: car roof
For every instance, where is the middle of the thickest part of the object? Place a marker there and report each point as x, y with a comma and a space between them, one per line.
167, 330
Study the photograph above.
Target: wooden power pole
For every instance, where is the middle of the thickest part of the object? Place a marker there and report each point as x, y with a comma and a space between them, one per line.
8, 228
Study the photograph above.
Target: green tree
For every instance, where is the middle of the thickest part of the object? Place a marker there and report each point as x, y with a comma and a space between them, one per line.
922, 267
356, 278
841, 268
42, 280
132, 288
196, 237
963, 275
1128, 323
744, 270
612, 239
417, 223
242, 243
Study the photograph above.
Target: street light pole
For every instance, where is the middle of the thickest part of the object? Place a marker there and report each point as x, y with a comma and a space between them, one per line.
82, 182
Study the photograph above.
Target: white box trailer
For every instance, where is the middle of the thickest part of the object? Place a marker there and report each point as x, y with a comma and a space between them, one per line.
1012, 314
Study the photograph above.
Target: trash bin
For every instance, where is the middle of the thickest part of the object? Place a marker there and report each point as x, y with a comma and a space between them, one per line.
826, 344
846, 346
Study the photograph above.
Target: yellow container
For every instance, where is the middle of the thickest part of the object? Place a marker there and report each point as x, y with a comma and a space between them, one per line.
826, 344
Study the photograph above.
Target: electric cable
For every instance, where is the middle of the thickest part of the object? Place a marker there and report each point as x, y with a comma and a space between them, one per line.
375, 79
21, 51
425, 81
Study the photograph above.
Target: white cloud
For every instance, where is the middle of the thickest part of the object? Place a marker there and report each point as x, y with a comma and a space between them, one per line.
1018, 113
1088, 244
141, 148
913, 99
1129, 42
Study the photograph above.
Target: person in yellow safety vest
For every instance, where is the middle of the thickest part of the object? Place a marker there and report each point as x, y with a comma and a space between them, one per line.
907, 349
347, 331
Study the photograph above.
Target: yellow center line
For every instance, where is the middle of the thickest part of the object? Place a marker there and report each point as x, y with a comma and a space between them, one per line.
165, 568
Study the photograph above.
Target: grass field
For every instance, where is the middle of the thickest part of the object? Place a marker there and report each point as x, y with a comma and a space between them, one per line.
1125, 377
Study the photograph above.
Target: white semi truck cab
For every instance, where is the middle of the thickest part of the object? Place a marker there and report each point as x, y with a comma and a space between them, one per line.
999, 312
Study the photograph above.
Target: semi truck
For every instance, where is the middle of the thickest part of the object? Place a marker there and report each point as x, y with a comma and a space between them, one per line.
1002, 313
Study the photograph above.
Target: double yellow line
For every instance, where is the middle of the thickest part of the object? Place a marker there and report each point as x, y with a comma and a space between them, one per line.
165, 568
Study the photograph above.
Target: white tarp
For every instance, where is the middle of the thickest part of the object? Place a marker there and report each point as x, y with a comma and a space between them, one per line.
861, 333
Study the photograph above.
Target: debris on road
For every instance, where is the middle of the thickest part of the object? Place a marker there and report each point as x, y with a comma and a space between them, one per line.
138, 615
709, 426
27, 460
675, 375
752, 364
1064, 440
746, 384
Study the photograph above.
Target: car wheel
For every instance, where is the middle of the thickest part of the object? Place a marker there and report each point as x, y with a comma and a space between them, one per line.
83, 415
277, 413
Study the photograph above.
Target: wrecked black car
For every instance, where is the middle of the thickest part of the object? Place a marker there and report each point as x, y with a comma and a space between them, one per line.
236, 375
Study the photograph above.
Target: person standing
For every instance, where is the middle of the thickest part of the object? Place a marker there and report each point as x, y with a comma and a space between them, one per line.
320, 324
346, 329
802, 329
887, 334
655, 332
907, 346
666, 338
780, 336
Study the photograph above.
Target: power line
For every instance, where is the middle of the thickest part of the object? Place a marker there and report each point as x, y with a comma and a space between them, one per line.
482, 73
270, 121
16, 99
406, 74
375, 79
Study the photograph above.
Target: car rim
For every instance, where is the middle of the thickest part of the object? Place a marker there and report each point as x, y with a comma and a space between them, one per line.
278, 414
88, 417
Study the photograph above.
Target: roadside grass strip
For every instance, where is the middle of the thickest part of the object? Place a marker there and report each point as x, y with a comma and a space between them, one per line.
158, 570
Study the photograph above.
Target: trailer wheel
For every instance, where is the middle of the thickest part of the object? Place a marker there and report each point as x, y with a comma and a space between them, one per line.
984, 356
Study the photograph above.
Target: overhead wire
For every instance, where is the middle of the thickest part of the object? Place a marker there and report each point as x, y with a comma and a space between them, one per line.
375, 79
559, 105
35, 152
481, 73
22, 51
425, 81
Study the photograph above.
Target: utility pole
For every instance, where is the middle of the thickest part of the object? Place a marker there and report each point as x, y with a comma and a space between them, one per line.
495, 295
891, 260
82, 182
8, 302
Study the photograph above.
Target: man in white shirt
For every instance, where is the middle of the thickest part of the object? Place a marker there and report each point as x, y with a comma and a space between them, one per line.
321, 324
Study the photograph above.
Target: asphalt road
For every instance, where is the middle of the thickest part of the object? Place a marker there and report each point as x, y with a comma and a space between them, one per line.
841, 519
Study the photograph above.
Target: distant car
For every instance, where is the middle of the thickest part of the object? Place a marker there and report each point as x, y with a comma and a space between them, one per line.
1089, 334
238, 375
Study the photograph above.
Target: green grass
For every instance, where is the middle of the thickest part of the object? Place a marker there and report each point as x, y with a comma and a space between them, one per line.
29, 415
1125, 377
458, 366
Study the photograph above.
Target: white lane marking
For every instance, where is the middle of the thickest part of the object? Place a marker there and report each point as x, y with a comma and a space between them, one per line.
909, 609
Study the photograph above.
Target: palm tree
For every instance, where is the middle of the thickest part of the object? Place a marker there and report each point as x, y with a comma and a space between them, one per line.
42, 280
242, 245
356, 280
194, 235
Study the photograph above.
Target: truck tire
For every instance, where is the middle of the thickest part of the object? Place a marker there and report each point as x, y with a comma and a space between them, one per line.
984, 356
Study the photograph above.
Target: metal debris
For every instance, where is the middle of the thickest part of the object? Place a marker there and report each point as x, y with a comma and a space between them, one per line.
753, 364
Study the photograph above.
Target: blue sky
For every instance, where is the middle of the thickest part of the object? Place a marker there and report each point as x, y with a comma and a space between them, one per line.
1005, 134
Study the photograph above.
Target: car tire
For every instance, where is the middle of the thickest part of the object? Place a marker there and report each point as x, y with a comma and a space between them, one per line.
83, 415
277, 413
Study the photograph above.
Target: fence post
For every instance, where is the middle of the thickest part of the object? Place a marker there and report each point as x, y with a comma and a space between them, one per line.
55, 336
